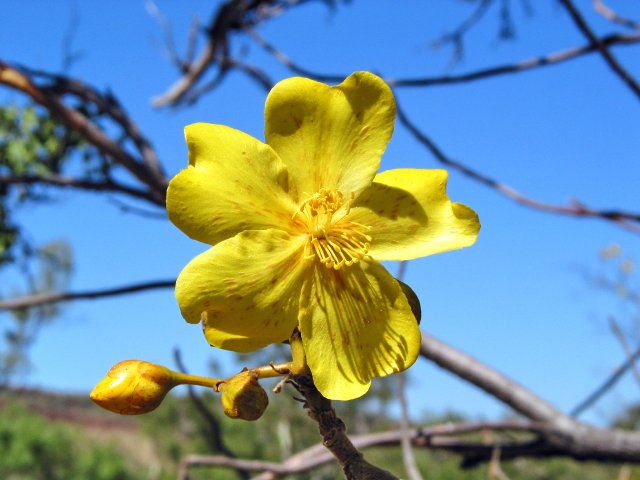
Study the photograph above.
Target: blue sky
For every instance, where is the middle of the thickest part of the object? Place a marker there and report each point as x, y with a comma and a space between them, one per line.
516, 300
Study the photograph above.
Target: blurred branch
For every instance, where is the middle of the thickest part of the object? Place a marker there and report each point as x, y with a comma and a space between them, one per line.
612, 16
456, 36
37, 300
215, 437
408, 457
522, 66
70, 182
50, 96
617, 331
606, 385
628, 220
608, 57
560, 434
231, 16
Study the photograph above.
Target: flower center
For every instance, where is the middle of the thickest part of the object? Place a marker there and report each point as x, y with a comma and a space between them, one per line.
333, 239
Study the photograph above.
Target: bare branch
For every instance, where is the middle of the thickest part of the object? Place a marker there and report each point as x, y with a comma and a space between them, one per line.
628, 220
228, 17
70, 182
334, 436
612, 16
564, 436
608, 57
617, 331
544, 61
50, 99
37, 300
492, 382
287, 62
456, 36
606, 385
408, 457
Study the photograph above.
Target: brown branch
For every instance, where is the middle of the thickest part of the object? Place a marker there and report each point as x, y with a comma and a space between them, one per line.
471, 370
563, 435
317, 455
70, 182
628, 220
281, 57
612, 16
43, 299
608, 57
333, 432
229, 16
50, 99
544, 61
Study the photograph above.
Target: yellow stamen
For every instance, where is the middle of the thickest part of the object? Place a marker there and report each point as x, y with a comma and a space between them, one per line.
333, 239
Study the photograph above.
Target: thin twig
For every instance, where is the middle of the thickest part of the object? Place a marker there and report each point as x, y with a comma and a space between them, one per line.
80, 183
612, 16
215, 438
606, 385
522, 66
408, 457
617, 331
628, 220
37, 300
608, 57
16, 79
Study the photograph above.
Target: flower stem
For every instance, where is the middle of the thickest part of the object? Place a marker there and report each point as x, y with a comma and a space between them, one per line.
184, 378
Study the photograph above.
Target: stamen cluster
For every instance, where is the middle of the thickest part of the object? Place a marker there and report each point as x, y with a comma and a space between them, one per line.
333, 239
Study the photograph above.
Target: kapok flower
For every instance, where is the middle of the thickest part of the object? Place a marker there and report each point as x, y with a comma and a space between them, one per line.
299, 225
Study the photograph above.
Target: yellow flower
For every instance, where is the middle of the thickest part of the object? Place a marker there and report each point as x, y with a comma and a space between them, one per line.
299, 225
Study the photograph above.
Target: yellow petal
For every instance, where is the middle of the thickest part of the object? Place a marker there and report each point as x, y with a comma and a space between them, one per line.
411, 216
356, 324
233, 183
330, 137
246, 289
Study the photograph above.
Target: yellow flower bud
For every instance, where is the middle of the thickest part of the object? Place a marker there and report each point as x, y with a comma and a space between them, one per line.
133, 387
243, 397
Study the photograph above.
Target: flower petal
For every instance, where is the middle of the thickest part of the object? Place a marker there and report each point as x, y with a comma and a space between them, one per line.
330, 137
233, 183
246, 289
411, 216
356, 324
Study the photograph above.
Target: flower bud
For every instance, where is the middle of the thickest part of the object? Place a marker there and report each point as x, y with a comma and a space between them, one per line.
133, 387
243, 397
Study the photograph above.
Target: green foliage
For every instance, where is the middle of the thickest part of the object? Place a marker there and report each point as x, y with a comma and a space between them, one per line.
35, 449
32, 144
